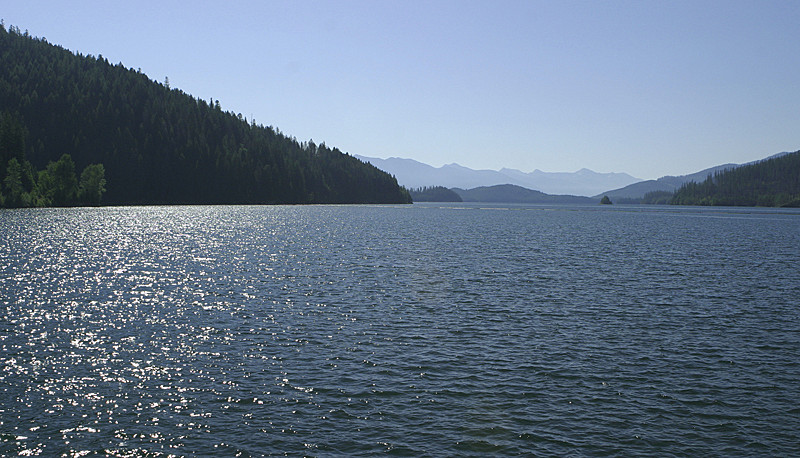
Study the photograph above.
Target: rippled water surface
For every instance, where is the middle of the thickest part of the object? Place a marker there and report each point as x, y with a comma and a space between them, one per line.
413, 330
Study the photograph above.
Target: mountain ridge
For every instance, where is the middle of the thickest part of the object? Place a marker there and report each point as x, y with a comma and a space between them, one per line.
670, 183
667, 183
771, 182
410, 172
414, 174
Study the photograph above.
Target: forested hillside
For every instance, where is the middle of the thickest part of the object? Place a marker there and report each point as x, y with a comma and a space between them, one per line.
159, 145
434, 194
770, 183
509, 193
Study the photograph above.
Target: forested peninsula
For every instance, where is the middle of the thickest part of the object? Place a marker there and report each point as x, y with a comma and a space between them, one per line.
772, 182
434, 194
153, 144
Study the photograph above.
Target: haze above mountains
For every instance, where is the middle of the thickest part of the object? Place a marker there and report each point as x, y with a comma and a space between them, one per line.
414, 174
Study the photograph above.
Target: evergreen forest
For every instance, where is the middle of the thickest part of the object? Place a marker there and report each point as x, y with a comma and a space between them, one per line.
138, 141
56, 185
773, 182
434, 194
510, 193
657, 197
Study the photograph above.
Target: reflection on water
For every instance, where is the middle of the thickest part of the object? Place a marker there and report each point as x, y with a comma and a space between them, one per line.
425, 329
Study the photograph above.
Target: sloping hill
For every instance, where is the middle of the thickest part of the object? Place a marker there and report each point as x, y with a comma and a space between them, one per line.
666, 183
774, 182
435, 194
162, 146
509, 193
670, 184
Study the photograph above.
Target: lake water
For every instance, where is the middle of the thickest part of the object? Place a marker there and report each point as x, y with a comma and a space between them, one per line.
418, 330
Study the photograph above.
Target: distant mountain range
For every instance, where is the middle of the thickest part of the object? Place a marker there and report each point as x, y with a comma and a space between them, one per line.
584, 182
565, 185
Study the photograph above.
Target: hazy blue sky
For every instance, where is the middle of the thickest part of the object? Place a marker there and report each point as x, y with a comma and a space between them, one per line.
645, 87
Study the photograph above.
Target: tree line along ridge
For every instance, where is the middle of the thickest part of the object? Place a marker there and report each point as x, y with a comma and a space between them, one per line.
156, 144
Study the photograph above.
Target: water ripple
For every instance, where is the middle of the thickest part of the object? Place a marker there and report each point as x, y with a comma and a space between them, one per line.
416, 330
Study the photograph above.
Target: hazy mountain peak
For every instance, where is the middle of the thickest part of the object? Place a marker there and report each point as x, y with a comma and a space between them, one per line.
584, 182
453, 165
507, 170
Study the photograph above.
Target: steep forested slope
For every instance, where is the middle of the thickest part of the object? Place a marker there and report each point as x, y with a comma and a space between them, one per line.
771, 183
160, 145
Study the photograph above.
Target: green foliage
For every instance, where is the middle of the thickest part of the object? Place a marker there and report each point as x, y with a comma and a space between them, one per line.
18, 175
22, 186
13, 184
510, 193
12, 141
160, 145
58, 182
657, 197
605, 200
434, 194
771, 183
93, 184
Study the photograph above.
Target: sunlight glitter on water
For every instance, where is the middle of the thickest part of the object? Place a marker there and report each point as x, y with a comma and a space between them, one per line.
356, 330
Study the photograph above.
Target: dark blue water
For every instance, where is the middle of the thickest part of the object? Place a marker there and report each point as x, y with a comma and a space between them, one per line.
413, 330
